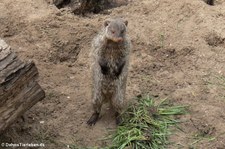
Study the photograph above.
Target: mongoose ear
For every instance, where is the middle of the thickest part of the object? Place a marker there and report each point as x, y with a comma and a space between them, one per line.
106, 23
126, 22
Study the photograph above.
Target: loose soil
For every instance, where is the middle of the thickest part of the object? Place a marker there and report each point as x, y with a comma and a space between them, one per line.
178, 53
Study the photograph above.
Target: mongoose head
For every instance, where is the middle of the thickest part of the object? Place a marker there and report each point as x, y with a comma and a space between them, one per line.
115, 29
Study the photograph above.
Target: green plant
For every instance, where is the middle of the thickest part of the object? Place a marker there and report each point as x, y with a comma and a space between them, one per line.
146, 125
199, 138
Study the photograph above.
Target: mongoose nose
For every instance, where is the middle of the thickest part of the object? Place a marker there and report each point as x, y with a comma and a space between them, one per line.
120, 39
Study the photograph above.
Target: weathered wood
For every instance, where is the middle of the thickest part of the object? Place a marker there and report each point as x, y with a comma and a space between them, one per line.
19, 90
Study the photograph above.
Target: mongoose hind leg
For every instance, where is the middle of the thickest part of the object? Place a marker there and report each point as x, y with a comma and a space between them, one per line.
97, 104
93, 119
117, 103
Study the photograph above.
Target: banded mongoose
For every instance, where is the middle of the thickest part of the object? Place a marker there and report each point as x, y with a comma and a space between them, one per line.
110, 61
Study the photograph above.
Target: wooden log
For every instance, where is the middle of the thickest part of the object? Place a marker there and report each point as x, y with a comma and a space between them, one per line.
19, 90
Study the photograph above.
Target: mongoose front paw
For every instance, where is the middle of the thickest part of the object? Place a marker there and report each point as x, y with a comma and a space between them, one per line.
105, 70
93, 119
119, 69
104, 66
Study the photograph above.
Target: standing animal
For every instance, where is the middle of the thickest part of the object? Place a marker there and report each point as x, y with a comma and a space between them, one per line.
110, 61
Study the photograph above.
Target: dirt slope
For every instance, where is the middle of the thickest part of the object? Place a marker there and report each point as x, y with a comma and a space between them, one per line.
178, 50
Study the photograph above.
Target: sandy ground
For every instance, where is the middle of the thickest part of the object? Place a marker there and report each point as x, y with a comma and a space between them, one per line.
178, 53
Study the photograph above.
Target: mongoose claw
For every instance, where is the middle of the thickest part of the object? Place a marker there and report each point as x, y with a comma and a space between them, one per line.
93, 119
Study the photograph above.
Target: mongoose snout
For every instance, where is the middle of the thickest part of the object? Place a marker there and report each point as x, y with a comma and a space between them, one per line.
115, 31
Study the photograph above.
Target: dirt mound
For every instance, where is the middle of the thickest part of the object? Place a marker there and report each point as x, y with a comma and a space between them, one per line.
178, 53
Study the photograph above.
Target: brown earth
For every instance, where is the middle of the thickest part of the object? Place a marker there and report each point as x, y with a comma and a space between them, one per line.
178, 53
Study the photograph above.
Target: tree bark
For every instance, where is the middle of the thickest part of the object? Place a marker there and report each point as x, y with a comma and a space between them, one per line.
19, 90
